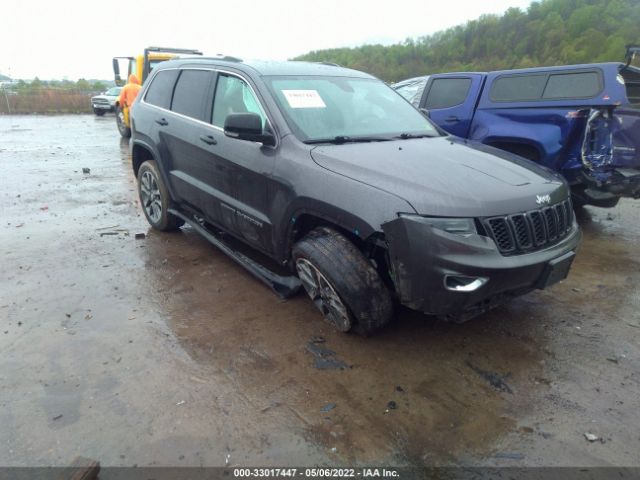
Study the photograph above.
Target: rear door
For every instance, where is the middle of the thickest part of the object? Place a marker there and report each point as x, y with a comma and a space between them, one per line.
185, 136
451, 100
154, 118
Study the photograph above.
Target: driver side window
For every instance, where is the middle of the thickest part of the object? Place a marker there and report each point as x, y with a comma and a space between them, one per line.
233, 95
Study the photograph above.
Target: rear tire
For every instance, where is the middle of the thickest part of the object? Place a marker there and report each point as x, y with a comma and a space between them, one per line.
122, 127
154, 198
341, 282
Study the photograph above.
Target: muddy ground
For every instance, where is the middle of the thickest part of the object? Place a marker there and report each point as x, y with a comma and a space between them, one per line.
162, 351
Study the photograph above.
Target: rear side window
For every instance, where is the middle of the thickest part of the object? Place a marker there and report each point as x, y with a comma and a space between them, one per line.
161, 88
191, 92
447, 92
573, 85
546, 86
518, 88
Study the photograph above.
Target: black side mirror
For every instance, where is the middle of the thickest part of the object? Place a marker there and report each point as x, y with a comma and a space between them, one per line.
425, 112
632, 52
247, 126
116, 72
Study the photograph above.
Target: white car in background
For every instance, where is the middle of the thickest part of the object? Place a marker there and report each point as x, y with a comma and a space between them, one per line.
105, 102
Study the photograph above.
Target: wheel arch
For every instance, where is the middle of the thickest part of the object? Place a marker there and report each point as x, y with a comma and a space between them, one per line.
369, 241
140, 153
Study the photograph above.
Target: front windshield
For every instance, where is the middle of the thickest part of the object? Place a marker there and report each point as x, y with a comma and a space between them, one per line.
328, 108
114, 91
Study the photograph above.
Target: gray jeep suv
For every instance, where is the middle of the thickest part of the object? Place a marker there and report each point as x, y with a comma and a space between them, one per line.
316, 176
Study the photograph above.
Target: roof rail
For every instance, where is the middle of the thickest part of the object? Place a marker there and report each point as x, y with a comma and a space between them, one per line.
330, 64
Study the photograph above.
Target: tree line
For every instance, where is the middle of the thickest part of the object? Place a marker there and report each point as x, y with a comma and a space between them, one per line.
36, 85
548, 32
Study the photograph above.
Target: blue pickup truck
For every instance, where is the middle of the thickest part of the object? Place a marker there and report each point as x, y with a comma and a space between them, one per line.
580, 120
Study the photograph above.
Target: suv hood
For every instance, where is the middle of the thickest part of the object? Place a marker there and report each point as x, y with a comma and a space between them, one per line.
446, 176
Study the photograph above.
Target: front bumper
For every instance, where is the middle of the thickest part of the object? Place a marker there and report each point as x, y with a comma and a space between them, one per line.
422, 257
102, 106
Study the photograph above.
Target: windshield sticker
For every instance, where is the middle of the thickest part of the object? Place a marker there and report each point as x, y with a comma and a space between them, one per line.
304, 99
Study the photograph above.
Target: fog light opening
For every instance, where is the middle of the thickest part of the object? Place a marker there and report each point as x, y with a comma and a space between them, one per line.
461, 283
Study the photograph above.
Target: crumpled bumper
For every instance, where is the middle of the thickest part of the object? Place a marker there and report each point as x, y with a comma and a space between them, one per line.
422, 257
622, 182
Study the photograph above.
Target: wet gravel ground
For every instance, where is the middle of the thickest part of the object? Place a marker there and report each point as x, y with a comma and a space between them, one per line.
162, 351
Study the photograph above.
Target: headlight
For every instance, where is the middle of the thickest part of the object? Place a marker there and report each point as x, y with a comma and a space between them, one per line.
457, 226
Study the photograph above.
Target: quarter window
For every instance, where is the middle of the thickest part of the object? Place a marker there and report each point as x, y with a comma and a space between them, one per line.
573, 85
447, 92
190, 95
161, 89
233, 95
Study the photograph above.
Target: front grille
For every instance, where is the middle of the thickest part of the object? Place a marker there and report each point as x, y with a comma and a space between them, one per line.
530, 231
102, 101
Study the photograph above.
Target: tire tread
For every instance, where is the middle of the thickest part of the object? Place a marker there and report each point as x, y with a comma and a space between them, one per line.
355, 279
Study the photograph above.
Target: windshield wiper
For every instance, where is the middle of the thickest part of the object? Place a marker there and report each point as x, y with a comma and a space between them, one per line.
406, 136
344, 139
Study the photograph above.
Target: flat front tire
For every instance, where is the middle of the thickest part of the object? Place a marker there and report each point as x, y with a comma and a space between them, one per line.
341, 282
154, 198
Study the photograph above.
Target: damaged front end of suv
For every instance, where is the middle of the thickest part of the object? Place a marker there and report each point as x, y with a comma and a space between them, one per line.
474, 264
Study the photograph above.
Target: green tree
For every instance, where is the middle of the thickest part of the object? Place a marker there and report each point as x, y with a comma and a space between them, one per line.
83, 85
549, 32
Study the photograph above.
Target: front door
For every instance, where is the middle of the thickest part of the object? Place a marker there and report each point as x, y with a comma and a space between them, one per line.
239, 170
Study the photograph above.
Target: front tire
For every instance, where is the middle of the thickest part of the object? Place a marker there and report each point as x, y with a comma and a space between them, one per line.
154, 198
122, 127
98, 112
341, 282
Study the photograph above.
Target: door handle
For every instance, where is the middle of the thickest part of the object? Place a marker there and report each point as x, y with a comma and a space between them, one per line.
162, 121
208, 139
452, 119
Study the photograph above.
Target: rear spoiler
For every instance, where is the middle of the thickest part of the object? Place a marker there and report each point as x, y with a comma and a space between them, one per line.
184, 51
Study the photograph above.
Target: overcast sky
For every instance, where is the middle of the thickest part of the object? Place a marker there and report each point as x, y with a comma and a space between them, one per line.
74, 39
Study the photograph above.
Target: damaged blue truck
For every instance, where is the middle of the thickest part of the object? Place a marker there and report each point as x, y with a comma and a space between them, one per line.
582, 121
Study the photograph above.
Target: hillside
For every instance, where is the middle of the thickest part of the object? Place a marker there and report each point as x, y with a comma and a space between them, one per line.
549, 32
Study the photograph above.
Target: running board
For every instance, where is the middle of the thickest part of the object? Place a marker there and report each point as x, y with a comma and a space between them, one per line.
284, 287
